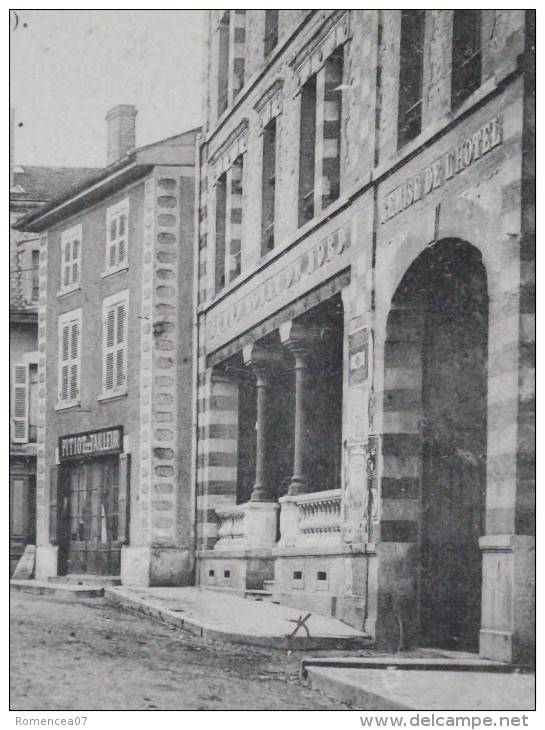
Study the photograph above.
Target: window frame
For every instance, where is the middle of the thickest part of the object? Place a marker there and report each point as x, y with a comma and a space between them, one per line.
69, 319
67, 238
112, 303
115, 212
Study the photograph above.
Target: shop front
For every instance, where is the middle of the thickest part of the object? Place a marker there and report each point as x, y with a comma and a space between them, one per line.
89, 507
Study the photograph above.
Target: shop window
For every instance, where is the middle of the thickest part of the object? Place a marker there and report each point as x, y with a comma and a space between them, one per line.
271, 31
268, 190
411, 66
70, 259
223, 63
114, 344
466, 54
69, 359
20, 404
117, 224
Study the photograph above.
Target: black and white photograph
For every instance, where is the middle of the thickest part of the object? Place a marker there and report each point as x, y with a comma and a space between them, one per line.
272, 366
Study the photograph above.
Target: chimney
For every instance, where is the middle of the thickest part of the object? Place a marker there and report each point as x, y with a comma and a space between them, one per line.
121, 131
11, 147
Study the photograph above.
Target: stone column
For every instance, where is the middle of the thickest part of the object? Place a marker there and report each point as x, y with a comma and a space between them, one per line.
300, 341
261, 361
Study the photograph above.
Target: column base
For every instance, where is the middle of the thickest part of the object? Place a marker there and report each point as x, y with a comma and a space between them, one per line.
156, 566
260, 524
46, 562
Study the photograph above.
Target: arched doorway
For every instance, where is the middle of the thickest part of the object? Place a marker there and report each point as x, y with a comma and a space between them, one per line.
440, 315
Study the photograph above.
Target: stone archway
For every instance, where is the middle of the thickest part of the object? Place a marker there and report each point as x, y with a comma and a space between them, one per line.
434, 442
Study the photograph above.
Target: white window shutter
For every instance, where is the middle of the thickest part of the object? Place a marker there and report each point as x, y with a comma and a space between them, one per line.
115, 337
69, 357
20, 404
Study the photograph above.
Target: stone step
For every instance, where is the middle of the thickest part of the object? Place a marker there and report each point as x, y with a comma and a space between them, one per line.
257, 595
85, 579
65, 590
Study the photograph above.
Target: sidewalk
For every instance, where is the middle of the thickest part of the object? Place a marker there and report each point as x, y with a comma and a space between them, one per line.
225, 617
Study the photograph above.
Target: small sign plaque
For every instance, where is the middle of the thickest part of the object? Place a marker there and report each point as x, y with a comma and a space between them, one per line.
91, 443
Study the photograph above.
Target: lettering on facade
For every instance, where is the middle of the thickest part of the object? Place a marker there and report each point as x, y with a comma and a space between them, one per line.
446, 167
310, 263
91, 443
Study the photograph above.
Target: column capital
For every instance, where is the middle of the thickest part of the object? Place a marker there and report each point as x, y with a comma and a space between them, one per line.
261, 359
299, 338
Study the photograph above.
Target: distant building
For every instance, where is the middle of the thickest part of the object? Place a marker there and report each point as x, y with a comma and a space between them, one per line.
115, 348
366, 312
30, 187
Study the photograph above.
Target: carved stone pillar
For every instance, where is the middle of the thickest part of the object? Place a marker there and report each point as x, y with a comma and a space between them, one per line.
300, 341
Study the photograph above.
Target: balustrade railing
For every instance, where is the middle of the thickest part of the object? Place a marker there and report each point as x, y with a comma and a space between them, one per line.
231, 526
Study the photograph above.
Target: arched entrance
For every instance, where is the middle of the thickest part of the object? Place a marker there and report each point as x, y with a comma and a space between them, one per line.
440, 316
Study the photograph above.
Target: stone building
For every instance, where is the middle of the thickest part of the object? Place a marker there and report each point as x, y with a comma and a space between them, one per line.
115, 346
365, 320
30, 187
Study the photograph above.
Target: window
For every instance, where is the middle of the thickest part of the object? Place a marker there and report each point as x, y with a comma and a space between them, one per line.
223, 63
331, 152
268, 194
70, 259
229, 223
221, 210
35, 280
307, 150
19, 403
117, 233
271, 31
466, 54
411, 65
69, 360
114, 344
239, 51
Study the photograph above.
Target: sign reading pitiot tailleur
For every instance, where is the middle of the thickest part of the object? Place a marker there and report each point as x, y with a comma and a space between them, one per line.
456, 160
296, 278
91, 443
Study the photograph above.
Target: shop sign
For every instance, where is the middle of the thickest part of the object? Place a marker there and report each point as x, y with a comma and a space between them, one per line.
357, 351
91, 443
301, 273
455, 161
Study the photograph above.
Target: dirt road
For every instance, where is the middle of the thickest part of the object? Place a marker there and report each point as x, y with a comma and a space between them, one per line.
88, 655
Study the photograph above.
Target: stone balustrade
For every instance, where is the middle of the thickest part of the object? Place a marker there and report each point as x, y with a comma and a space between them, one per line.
310, 518
250, 525
231, 527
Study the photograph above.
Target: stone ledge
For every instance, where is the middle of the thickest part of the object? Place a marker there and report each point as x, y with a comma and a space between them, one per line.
43, 588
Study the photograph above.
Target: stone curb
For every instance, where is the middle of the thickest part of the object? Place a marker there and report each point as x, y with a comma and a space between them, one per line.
207, 631
42, 588
351, 694
435, 664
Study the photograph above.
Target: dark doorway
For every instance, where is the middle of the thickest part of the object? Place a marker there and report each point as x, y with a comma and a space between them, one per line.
446, 285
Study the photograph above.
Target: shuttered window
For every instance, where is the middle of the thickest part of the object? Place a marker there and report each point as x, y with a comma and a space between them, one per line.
70, 259
69, 357
115, 336
19, 404
117, 231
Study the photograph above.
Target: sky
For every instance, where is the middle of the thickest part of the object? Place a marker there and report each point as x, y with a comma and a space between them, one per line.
69, 67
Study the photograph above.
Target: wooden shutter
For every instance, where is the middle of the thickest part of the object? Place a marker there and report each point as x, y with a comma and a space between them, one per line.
115, 347
19, 404
67, 257
122, 238
112, 242
54, 503
124, 497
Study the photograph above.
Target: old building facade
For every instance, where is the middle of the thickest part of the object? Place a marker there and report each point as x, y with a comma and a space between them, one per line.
115, 346
365, 320
30, 187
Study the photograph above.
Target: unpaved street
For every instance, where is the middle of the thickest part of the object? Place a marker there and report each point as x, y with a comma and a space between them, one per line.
88, 655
